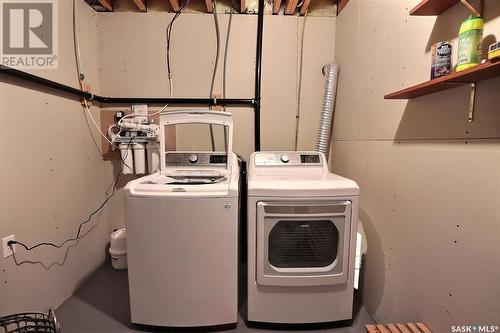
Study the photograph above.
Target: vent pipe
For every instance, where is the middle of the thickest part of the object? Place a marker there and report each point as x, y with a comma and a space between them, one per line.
330, 71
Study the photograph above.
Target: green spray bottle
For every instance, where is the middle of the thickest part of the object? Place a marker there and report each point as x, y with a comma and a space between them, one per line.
470, 41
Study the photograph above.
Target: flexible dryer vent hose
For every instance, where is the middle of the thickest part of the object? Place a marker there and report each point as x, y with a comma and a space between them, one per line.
331, 72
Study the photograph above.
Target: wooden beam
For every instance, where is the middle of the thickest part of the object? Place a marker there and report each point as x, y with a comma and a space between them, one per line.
175, 5
423, 328
413, 328
276, 6
107, 4
141, 4
208, 4
403, 328
393, 328
340, 5
290, 7
371, 329
243, 6
304, 7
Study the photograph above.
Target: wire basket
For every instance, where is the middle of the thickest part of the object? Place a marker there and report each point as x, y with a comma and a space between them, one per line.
30, 322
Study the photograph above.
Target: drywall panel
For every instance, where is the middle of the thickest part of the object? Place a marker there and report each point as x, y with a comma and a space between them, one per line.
132, 63
429, 222
317, 51
52, 176
429, 179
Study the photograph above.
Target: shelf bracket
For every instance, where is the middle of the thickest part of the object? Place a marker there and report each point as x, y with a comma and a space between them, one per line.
474, 10
472, 102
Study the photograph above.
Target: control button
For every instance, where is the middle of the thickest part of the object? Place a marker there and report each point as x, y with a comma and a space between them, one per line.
193, 158
285, 158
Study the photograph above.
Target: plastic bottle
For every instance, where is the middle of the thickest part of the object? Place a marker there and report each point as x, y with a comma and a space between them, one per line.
470, 41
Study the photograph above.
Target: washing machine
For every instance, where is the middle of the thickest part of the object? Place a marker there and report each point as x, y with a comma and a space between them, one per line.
182, 226
302, 225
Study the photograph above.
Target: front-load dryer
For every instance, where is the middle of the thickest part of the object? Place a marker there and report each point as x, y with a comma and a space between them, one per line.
182, 226
302, 225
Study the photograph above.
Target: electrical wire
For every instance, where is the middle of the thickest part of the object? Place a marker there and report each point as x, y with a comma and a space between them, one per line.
79, 67
216, 64
76, 42
217, 45
226, 48
89, 218
224, 68
299, 90
168, 34
87, 108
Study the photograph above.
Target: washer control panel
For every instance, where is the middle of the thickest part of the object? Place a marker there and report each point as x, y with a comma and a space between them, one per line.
195, 159
288, 159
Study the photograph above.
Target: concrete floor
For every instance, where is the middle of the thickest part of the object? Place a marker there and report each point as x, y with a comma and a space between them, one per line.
102, 305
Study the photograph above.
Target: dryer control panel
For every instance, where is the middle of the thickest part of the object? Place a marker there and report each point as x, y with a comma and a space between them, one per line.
288, 159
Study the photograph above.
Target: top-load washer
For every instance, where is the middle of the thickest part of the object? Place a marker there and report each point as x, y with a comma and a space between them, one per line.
302, 225
182, 226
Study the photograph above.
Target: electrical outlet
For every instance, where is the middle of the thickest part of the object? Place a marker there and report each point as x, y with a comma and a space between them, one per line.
7, 252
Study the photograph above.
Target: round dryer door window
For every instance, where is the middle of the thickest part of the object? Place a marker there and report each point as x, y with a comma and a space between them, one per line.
302, 242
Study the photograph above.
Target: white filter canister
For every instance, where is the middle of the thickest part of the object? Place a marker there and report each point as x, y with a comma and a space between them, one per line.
127, 157
118, 248
153, 149
139, 158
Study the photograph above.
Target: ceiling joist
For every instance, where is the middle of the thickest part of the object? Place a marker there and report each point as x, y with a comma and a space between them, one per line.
107, 4
340, 5
305, 7
276, 6
290, 7
175, 5
208, 4
141, 4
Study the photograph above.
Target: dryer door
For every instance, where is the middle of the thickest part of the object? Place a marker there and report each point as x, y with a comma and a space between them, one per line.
302, 243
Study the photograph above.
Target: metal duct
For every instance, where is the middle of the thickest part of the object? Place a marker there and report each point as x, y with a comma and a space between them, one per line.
331, 72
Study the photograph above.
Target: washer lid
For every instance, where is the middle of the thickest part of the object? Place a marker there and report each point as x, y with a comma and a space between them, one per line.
186, 183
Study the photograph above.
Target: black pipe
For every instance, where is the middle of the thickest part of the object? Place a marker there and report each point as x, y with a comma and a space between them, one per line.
122, 100
44, 82
176, 101
258, 75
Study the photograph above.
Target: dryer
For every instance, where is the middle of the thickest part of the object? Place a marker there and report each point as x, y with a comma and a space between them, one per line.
182, 226
302, 225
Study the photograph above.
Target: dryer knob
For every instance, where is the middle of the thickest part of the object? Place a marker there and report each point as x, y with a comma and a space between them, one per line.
193, 158
285, 158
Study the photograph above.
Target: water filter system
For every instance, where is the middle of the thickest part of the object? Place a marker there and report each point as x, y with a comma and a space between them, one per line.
136, 136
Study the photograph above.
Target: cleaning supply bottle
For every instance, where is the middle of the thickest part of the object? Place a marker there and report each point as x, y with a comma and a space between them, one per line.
470, 40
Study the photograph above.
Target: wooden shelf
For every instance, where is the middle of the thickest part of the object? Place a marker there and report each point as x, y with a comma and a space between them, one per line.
481, 72
433, 7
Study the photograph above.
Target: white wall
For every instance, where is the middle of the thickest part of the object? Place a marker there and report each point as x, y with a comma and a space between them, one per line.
430, 182
132, 52
51, 178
